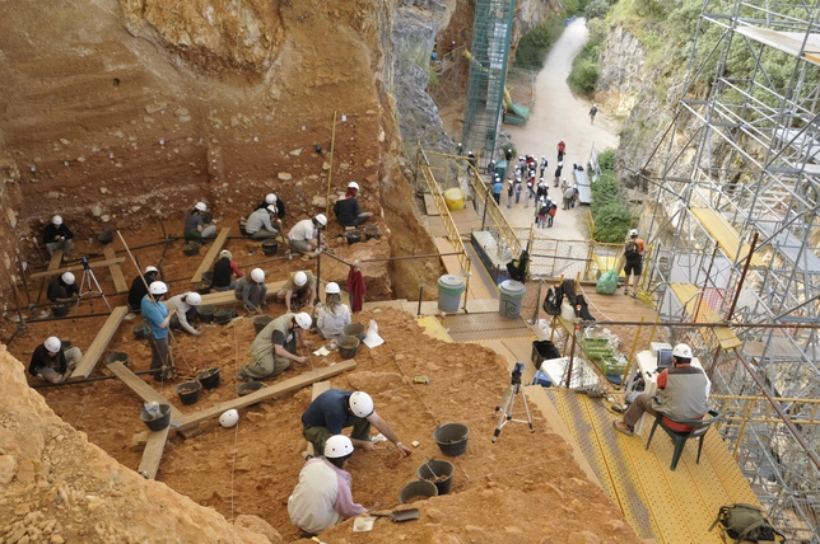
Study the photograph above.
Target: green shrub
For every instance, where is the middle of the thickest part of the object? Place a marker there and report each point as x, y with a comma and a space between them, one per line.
612, 218
596, 9
606, 160
534, 45
585, 69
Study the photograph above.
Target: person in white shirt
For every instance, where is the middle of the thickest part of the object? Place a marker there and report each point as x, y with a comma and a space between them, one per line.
183, 308
323, 496
303, 235
332, 316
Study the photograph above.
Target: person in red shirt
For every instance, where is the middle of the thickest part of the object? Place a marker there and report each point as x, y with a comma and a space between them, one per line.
562, 149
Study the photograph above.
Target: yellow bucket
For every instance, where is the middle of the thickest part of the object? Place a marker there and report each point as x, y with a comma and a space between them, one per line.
454, 198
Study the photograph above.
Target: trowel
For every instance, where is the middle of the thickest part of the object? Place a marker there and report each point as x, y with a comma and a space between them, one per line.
405, 514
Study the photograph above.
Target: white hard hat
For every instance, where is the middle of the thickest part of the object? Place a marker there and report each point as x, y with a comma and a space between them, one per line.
321, 219
337, 446
633, 232
225, 254
682, 351
193, 298
158, 288
258, 275
52, 344
149, 269
361, 404
543, 157
353, 185
299, 278
303, 320
229, 418
332, 288
57, 220
271, 208
68, 278
270, 198
201, 206
564, 180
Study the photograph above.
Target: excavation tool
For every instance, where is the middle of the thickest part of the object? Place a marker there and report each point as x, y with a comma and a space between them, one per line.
405, 514
505, 409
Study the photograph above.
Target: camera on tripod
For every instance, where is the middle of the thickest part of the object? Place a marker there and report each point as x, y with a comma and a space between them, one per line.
84, 262
516, 373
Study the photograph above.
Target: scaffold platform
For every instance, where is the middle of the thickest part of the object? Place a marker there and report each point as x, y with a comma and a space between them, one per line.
687, 294
725, 235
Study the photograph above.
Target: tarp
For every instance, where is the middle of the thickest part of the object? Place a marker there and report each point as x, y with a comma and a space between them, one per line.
584, 186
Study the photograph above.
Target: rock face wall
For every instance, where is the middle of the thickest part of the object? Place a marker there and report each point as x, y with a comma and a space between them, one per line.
57, 487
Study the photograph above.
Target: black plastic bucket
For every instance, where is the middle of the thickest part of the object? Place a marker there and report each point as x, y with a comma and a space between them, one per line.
355, 329
141, 331
353, 237
451, 438
209, 378
417, 489
189, 392
438, 472
117, 357
206, 313
223, 316
159, 423
191, 248
348, 346
270, 247
260, 322
60, 310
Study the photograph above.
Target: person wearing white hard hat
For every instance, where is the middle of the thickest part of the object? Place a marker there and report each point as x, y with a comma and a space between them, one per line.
336, 409
57, 235
252, 291
299, 291
348, 211
53, 360
225, 272
158, 319
276, 346
276, 201
303, 237
323, 496
63, 289
542, 166
258, 224
183, 308
138, 288
198, 223
333, 316
683, 394
633, 261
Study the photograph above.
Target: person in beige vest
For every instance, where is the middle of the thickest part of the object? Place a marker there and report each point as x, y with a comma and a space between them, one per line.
275, 347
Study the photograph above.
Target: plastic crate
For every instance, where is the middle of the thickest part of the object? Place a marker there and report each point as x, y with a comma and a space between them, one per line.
543, 350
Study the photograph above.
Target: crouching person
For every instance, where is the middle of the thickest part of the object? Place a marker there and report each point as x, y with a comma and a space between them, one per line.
323, 496
52, 363
275, 346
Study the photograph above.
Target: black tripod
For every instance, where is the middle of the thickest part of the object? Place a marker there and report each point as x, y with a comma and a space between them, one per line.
507, 401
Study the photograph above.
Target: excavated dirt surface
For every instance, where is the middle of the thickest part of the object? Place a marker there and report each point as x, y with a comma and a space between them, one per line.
253, 468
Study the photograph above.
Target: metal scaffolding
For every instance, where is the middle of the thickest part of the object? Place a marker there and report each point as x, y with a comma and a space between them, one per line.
492, 32
735, 185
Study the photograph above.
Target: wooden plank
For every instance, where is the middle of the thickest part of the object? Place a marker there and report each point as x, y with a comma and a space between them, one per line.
116, 271
687, 294
152, 454
210, 256
100, 343
270, 392
74, 267
226, 298
726, 236
56, 259
430, 204
143, 390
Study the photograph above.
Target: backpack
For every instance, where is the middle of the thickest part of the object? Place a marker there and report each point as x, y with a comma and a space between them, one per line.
552, 302
631, 249
746, 523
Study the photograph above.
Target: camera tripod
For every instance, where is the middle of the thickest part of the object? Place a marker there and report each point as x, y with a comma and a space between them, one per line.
508, 400
89, 286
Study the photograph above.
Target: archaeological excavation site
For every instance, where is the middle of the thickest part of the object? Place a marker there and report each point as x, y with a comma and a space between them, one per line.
434, 271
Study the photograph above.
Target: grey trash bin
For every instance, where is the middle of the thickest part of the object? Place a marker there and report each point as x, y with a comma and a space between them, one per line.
511, 296
450, 289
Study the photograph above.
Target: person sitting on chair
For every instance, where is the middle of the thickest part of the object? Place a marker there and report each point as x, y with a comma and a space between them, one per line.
683, 393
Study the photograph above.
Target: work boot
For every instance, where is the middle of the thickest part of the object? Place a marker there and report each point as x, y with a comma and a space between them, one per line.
622, 427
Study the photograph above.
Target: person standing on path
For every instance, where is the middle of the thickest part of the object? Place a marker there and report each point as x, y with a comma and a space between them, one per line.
510, 192
633, 255
553, 209
496, 189
562, 149
543, 165
593, 111
569, 193
517, 190
541, 211
558, 170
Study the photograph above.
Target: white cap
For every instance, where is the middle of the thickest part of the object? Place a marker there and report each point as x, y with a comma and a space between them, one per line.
52, 344
270, 198
332, 288
543, 157
225, 254
321, 219
337, 446
229, 418
303, 320
149, 269
353, 185
299, 278
361, 404
201, 206
57, 220
193, 298
158, 288
633, 232
68, 278
271, 208
258, 275
682, 351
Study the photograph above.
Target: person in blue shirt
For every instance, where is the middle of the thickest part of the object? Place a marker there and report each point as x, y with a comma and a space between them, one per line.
497, 188
158, 319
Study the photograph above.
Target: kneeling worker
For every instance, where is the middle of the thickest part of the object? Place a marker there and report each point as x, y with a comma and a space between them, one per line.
252, 292
63, 288
138, 288
335, 409
348, 211
299, 291
183, 308
323, 496
259, 226
275, 346
50, 363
